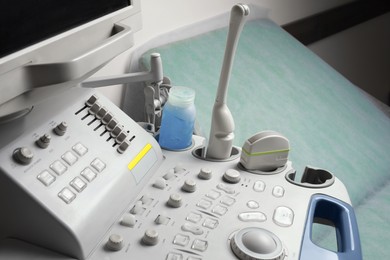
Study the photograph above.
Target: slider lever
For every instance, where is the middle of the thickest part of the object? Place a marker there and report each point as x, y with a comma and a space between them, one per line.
222, 123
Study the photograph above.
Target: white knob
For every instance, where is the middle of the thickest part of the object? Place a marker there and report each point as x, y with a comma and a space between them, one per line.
150, 237
175, 200
60, 129
205, 174
257, 244
189, 186
44, 141
23, 155
115, 242
232, 176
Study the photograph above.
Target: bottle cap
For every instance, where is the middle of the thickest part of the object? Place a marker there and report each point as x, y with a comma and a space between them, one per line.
181, 96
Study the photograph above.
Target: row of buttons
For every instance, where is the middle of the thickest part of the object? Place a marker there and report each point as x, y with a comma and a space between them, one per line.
59, 167
111, 124
78, 184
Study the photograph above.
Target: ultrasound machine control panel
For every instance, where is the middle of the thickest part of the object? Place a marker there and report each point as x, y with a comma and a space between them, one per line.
87, 182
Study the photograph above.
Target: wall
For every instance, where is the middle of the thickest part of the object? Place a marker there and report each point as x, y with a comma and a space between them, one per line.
160, 17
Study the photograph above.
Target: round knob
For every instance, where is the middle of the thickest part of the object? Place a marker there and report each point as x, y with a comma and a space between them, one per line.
232, 176
175, 201
189, 186
257, 244
205, 174
150, 237
115, 242
60, 129
44, 141
23, 155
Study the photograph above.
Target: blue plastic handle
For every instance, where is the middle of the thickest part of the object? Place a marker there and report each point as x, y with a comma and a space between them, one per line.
343, 217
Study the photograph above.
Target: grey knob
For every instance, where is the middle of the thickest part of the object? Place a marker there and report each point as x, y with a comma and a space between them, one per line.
150, 237
94, 109
23, 155
189, 186
175, 200
44, 141
61, 128
232, 176
205, 174
115, 242
257, 244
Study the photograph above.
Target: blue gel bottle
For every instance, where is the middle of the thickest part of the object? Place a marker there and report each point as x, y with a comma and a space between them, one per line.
177, 123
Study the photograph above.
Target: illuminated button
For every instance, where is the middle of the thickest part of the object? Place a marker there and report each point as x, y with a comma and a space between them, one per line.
98, 165
174, 256
46, 178
259, 186
181, 240
196, 230
78, 184
210, 223
252, 216
283, 216
88, 174
213, 194
225, 188
204, 204
228, 201
219, 210
194, 217
128, 220
80, 149
67, 195
199, 245
58, 167
278, 191
69, 158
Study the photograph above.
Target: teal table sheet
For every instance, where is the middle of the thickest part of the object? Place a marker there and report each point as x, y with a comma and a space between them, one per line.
278, 84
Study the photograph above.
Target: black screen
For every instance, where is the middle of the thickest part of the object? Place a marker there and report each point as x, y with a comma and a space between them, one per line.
25, 22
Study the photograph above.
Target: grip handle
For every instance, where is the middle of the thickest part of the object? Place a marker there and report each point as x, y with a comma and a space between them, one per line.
343, 217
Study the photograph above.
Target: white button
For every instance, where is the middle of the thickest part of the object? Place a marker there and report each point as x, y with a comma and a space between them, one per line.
88, 174
174, 256
78, 184
252, 204
213, 194
252, 216
225, 188
98, 165
194, 217
137, 209
278, 191
146, 200
169, 175
199, 245
69, 158
259, 186
46, 178
80, 149
58, 167
175, 200
283, 216
160, 183
204, 204
67, 195
228, 201
162, 219
181, 240
128, 220
210, 223
196, 230
219, 210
